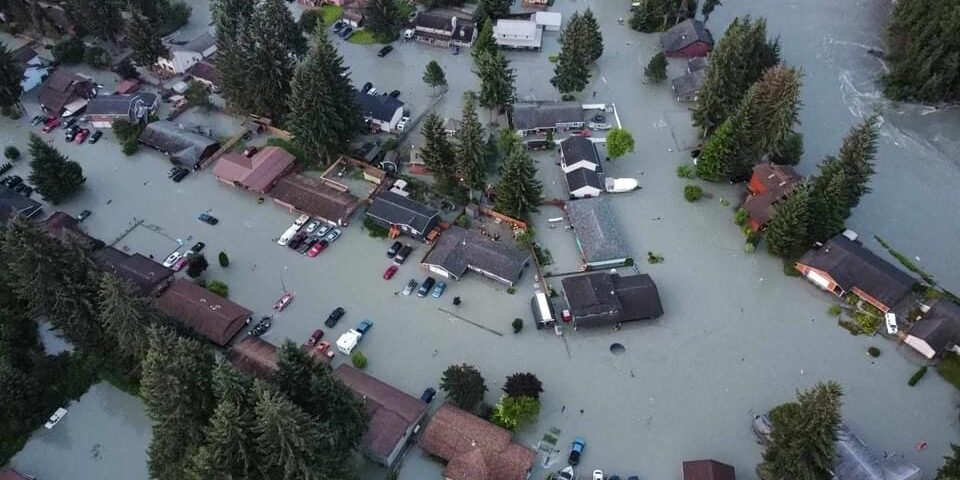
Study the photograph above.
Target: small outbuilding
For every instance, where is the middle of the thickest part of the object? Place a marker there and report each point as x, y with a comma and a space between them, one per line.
550, 21
203, 311
64, 93
458, 250
686, 87
707, 470
582, 168
517, 34
599, 237
184, 56
689, 38
603, 298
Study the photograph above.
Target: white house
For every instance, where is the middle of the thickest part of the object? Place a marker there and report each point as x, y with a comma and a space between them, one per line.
382, 111
938, 332
518, 34
581, 167
550, 21
189, 54
34, 71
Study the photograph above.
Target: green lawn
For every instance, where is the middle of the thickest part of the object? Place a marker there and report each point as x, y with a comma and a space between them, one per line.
330, 14
949, 369
363, 37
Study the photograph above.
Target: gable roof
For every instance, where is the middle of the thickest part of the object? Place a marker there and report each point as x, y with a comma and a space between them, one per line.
254, 356
687, 85
315, 198
183, 145
140, 271
377, 107
62, 88
474, 448
529, 116
459, 249
583, 177
399, 210
697, 63
65, 228
707, 470
206, 70
685, 34
257, 173
578, 148
776, 179
851, 265
855, 461
135, 106
205, 312
940, 326
603, 298
597, 229
199, 44
392, 412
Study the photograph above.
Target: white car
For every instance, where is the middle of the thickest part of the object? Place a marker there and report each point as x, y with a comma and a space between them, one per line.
348, 341
599, 126
172, 259
372, 91
333, 235
891, 321
55, 418
598, 475
323, 230
312, 226
566, 473
302, 219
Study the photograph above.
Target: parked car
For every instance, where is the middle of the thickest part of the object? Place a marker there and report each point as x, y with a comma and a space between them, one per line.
71, 122
83, 215
566, 474
307, 244
315, 337
317, 248
456, 50
372, 91
52, 123
576, 451
207, 218
364, 326
366, 87
403, 254
334, 317
633, 477
297, 240
412, 284
180, 264
428, 395
197, 247
346, 31
338, 26
395, 93
12, 181
385, 51
37, 120
82, 135
390, 272
598, 475
55, 418
301, 220
261, 327
172, 259
27, 190
323, 230
95, 137
333, 235
439, 289
180, 175
425, 287
283, 302
312, 226
71, 134
403, 123
392, 251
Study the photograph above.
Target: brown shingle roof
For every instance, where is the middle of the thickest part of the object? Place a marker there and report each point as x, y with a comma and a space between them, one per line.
315, 198
142, 272
65, 228
203, 311
258, 173
11, 474
62, 88
776, 179
474, 448
254, 356
707, 470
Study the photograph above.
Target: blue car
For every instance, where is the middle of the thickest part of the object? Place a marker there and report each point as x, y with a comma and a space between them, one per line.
364, 326
428, 395
576, 450
439, 289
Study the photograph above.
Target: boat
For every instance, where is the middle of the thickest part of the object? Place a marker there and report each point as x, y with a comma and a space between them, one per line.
55, 418
284, 300
620, 185
566, 474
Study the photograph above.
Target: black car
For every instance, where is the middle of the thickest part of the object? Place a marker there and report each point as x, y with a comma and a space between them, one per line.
385, 51
338, 26
392, 251
395, 93
95, 137
70, 123
307, 244
180, 174
334, 317
197, 247
403, 254
428, 395
297, 240
38, 120
19, 187
366, 87
346, 31
12, 181
425, 287
72, 133
83, 215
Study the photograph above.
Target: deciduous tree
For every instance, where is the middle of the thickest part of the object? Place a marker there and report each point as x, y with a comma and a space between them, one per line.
511, 412
196, 265
619, 143
434, 76
464, 385
523, 384
55, 176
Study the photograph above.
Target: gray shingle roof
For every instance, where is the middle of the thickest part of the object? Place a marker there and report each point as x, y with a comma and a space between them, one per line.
135, 106
182, 145
578, 148
583, 177
686, 85
940, 327
851, 265
684, 34
528, 116
598, 231
399, 210
856, 462
199, 44
459, 249
13, 204
698, 63
140, 271
603, 298
378, 107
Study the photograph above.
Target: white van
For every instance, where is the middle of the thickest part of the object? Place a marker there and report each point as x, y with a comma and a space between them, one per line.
542, 310
348, 341
285, 238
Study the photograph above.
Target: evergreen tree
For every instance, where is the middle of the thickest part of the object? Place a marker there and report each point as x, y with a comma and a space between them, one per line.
523, 384
469, 149
719, 153
856, 157
656, 70
790, 151
382, 17
488, 11
233, 22
519, 191
323, 114
288, 439
485, 42
803, 440
99, 17
294, 369
145, 41
196, 265
271, 59
778, 107
55, 176
464, 385
923, 56
737, 61
275, 19
786, 233
20, 394
10, 76
951, 465
827, 207
438, 155
572, 71
497, 90
659, 15
126, 316
434, 75
708, 7
592, 35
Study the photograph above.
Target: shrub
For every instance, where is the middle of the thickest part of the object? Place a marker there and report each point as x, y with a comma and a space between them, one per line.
224, 260
11, 153
834, 310
868, 322
373, 229
553, 58
517, 325
654, 258
568, 97
917, 376
849, 326
359, 360
14, 114
686, 171
464, 221
741, 217
656, 70
749, 247
511, 290
692, 193
873, 352
218, 287
96, 57
629, 262
129, 148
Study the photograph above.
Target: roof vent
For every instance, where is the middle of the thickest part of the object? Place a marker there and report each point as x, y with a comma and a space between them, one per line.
850, 234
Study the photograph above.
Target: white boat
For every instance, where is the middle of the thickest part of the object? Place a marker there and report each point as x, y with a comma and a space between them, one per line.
55, 418
620, 185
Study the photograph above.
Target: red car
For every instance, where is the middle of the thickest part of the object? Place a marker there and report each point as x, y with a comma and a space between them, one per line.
52, 123
81, 135
284, 300
317, 335
180, 264
582, 133
391, 270
317, 248
323, 346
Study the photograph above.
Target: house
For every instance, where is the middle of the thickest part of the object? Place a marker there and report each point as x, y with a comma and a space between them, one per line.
148, 276
450, 126
182, 146
697, 64
768, 184
352, 16
707, 470
689, 38
12, 204
843, 265
258, 173
134, 108
938, 332
444, 29
184, 56
393, 414
604, 298
203, 311
403, 215
473, 448
383, 111
581, 167
254, 356
31, 67
687, 86
207, 73
537, 3
129, 85
65, 93
518, 34
855, 461
539, 118
66, 229
315, 198
459, 250
599, 238
550, 21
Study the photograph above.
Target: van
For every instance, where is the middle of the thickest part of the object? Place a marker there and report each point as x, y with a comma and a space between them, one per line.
403, 254
542, 310
285, 238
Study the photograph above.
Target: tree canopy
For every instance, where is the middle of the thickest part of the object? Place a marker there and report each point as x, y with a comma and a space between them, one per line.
464, 385
924, 51
523, 384
382, 17
659, 15
434, 76
804, 435
55, 176
619, 143
10, 76
519, 191
145, 41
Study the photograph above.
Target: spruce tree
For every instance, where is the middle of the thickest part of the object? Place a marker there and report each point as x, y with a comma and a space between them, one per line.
271, 60
519, 192
659, 15
856, 158
323, 114
490, 10
469, 147
55, 176
10, 76
434, 75
708, 7
951, 465
99, 17
497, 89
126, 316
922, 55
790, 151
382, 17
592, 35
438, 155
786, 233
803, 440
233, 20
287, 438
828, 200
485, 42
656, 70
275, 19
145, 41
